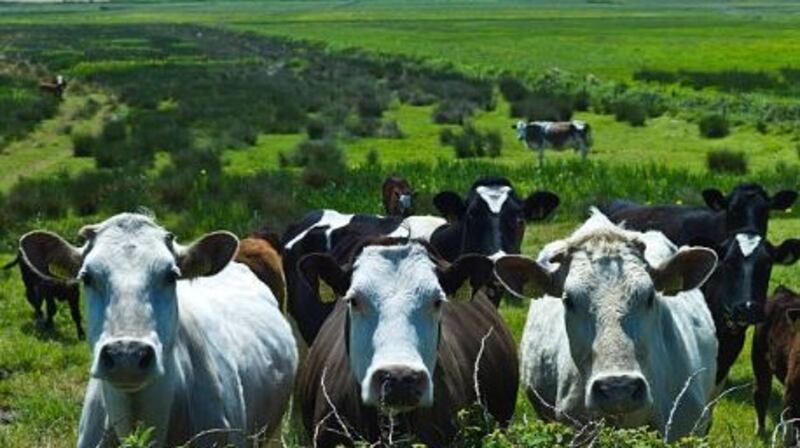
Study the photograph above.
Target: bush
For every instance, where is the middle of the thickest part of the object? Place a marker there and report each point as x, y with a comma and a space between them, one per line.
390, 129
512, 89
471, 142
83, 144
726, 161
629, 111
494, 143
452, 112
543, 107
315, 129
114, 131
373, 157
714, 126
447, 136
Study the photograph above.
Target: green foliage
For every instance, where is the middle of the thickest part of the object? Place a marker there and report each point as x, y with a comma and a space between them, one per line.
139, 438
727, 161
471, 142
714, 125
83, 143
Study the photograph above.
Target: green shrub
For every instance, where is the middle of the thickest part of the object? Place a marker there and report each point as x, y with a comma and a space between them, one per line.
390, 129
446, 136
494, 143
726, 161
714, 125
631, 112
512, 89
315, 129
114, 131
83, 143
373, 157
452, 112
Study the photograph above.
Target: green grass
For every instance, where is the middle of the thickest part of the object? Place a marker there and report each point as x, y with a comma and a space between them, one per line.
42, 375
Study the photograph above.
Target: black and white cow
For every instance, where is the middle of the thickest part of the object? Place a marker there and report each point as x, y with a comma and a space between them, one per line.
539, 135
735, 227
334, 233
490, 221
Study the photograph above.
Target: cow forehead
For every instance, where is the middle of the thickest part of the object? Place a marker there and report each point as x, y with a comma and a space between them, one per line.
748, 242
384, 271
130, 239
494, 196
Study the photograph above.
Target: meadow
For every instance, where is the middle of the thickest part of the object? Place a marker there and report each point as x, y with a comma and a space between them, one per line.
245, 114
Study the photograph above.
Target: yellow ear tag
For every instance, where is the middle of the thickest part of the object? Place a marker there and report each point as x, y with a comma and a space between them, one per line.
58, 271
326, 294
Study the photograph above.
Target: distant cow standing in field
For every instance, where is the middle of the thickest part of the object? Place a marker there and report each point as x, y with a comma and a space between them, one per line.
39, 289
56, 87
397, 195
539, 135
397, 350
776, 351
261, 252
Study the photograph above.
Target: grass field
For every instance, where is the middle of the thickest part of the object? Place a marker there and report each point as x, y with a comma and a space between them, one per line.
186, 108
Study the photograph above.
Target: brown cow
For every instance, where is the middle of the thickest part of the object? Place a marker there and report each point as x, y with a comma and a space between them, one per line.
56, 87
39, 289
260, 251
397, 195
776, 351
397, 358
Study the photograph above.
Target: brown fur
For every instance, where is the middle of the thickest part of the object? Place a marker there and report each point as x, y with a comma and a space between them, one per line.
261, 253
463, 326
776, 351
393, 187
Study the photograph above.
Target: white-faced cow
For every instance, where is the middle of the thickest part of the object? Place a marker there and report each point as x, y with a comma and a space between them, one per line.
397, 195
398, 359
490, 221
619, 329
182, 340
735, 227
328, 231
539, 135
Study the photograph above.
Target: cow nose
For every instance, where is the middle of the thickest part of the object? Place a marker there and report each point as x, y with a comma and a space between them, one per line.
619, 394
749, 312
126, 362
399, 386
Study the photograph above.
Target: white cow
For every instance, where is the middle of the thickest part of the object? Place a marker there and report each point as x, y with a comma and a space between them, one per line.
539, 135
619, 331
182, 340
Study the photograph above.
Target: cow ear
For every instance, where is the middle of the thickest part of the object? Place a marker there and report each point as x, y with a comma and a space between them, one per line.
715, 200
687, 269
787, 253
50, 256
793, 316
540, 204
475, 268
524, 277
208, 255
783, 200
450, 205
318, 266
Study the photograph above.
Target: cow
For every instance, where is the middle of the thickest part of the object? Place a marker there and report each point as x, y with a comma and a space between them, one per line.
619, 329
399, 352
737, 290
332, 232
397, 195
40, 289
182, 339
489, 221
539, 135
261, 252
56, 87
776, 348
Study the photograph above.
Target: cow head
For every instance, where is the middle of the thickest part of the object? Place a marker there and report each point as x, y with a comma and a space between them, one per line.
520, 127
397, 196
492, 218
611, 283
737, 290
748, 206
129, 267
395, 291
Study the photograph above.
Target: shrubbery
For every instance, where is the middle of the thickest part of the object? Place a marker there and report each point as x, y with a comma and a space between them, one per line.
714, 125
727, 161
471, 142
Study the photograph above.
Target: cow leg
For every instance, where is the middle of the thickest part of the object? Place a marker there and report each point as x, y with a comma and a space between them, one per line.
35, 299
51, 311
763, 376
75, 311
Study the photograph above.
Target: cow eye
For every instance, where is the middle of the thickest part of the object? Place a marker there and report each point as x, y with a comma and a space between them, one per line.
354, 303
87, 279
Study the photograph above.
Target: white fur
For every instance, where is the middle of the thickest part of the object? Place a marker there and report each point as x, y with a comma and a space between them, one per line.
563, 351
331, 218
395, 322
494, 196
748, 242
418, 227
226, 356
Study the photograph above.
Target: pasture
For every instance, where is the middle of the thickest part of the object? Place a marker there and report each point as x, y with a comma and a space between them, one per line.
244, 114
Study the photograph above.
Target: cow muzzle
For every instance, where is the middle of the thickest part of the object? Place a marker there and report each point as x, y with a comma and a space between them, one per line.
127, 364
618, 394
400, 388
747, 313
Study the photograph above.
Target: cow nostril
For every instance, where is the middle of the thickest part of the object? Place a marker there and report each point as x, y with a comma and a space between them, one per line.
146, 357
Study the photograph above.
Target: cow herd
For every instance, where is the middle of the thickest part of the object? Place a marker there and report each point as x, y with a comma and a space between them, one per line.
386, 327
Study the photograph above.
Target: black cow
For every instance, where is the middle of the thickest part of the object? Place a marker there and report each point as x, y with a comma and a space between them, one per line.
735, 227
39, 289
